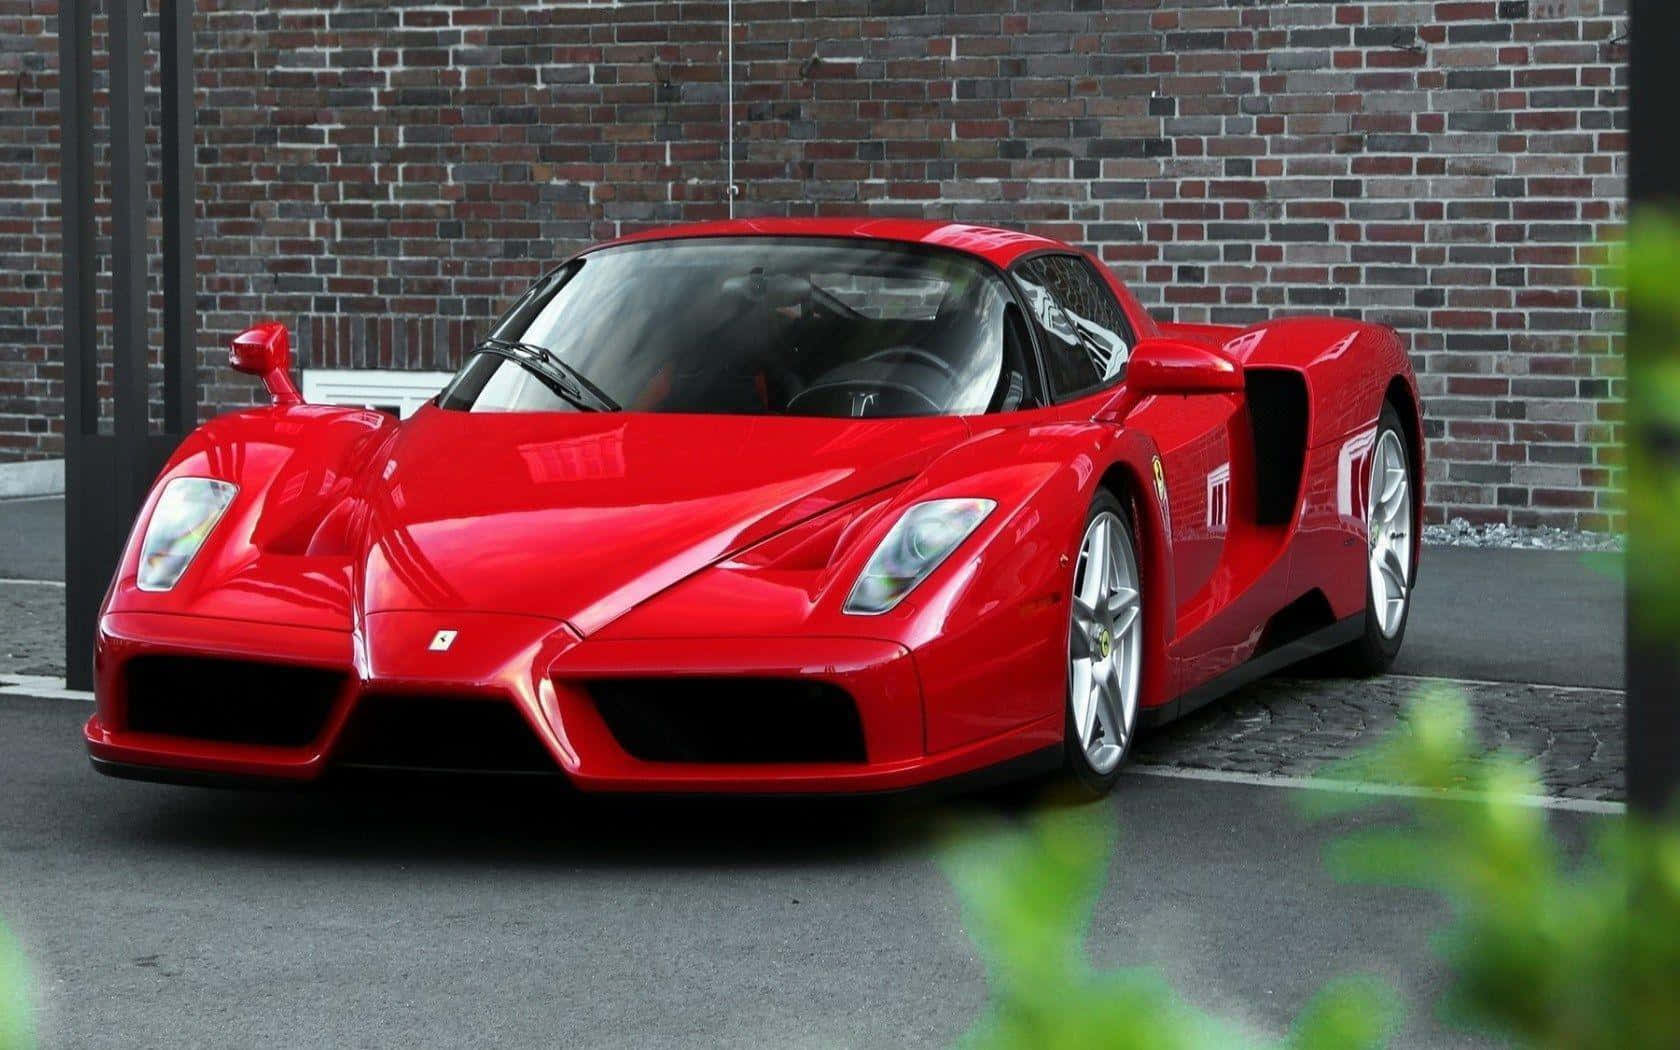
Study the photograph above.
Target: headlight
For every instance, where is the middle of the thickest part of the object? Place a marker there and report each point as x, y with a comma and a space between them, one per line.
918, 542
186, 512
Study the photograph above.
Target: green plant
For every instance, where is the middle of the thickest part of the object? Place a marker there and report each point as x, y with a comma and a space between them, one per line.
1546, 953
1027, 896
16, 1028
1649, 268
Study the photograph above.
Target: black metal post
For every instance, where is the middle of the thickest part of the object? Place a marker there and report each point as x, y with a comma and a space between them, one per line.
180, 358
106, 474
88, 506
1653, 660
128, 231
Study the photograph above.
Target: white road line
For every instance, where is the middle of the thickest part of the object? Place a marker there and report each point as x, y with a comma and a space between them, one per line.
31, 583
1356, 787
1444, 680
41, 686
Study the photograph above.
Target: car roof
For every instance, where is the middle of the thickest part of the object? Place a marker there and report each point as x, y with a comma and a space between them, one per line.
1000, 247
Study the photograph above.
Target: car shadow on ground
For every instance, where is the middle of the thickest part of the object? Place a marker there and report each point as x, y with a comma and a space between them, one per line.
500, 821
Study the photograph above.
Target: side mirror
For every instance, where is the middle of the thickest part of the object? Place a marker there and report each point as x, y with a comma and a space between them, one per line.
265, 350
1176, 366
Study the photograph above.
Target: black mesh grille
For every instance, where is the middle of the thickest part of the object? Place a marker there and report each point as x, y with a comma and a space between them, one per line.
749, 720
229, 700
441, 733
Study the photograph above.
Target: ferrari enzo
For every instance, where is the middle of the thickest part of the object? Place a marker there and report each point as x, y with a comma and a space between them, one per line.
771, 506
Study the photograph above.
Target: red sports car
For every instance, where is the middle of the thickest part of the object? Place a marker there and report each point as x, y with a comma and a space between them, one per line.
771, 506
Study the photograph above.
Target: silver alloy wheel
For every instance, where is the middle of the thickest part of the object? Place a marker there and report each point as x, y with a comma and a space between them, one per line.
1105, 643
1389, 532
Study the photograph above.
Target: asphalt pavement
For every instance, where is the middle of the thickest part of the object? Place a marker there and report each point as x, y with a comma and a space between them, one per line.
160, 916
32, 539
1552, 617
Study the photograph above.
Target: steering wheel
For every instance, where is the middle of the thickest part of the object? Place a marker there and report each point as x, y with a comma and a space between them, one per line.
867, 387
915, 353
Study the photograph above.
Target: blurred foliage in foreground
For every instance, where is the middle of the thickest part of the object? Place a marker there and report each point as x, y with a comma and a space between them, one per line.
1546, 954
1649, 268
15, 1025
1027, 897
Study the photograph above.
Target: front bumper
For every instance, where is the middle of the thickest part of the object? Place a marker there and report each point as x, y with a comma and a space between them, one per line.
553, 681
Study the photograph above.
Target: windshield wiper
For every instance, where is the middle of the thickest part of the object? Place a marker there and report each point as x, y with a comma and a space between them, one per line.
562, 378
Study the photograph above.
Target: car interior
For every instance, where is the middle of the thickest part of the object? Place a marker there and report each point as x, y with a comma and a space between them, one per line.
795, 345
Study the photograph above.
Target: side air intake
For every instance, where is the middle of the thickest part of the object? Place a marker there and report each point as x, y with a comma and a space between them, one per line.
1277, 410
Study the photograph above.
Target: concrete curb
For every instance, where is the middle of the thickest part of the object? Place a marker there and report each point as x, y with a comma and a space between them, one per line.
41, 687
35, 477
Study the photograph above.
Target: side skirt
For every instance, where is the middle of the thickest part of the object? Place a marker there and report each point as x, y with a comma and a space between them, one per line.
1320, 641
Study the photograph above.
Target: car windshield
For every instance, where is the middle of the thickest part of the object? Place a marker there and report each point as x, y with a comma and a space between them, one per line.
753, 325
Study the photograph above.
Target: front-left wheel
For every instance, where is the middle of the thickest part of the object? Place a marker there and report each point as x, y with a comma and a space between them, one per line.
1105, 648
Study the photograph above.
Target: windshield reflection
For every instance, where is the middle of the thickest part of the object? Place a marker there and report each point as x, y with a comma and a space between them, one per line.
754, 325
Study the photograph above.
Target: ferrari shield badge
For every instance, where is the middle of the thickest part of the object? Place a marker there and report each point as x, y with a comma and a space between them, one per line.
1160, 483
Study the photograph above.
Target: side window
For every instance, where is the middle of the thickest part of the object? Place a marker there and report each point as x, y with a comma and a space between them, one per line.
1018, 387
1085, 334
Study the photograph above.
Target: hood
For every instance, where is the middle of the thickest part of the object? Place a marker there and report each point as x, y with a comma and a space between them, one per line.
579, 517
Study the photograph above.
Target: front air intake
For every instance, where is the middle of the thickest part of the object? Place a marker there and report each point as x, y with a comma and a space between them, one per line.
229, 701
440, 733
718, 720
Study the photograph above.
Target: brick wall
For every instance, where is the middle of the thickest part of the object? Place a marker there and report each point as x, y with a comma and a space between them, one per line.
383, 176
31, 392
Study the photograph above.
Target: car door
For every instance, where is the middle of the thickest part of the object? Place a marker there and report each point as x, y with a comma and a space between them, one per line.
1087, 340
1193, 438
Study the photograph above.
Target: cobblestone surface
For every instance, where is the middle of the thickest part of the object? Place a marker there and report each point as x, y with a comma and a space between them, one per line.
32, 619
1294, 727
1281, 726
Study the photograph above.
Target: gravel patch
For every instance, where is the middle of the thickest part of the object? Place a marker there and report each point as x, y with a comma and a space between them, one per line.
1461, 533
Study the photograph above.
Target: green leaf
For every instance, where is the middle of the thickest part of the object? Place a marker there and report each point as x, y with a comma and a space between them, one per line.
1027, 893
1353, 1013
16, 1025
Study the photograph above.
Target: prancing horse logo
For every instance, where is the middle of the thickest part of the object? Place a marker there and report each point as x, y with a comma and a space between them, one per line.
441, 641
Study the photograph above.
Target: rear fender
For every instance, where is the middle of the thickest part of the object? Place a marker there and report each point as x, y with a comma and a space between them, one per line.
1347, 368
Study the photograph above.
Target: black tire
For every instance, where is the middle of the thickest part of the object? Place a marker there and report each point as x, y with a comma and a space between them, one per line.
1088, 783
1373, 652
